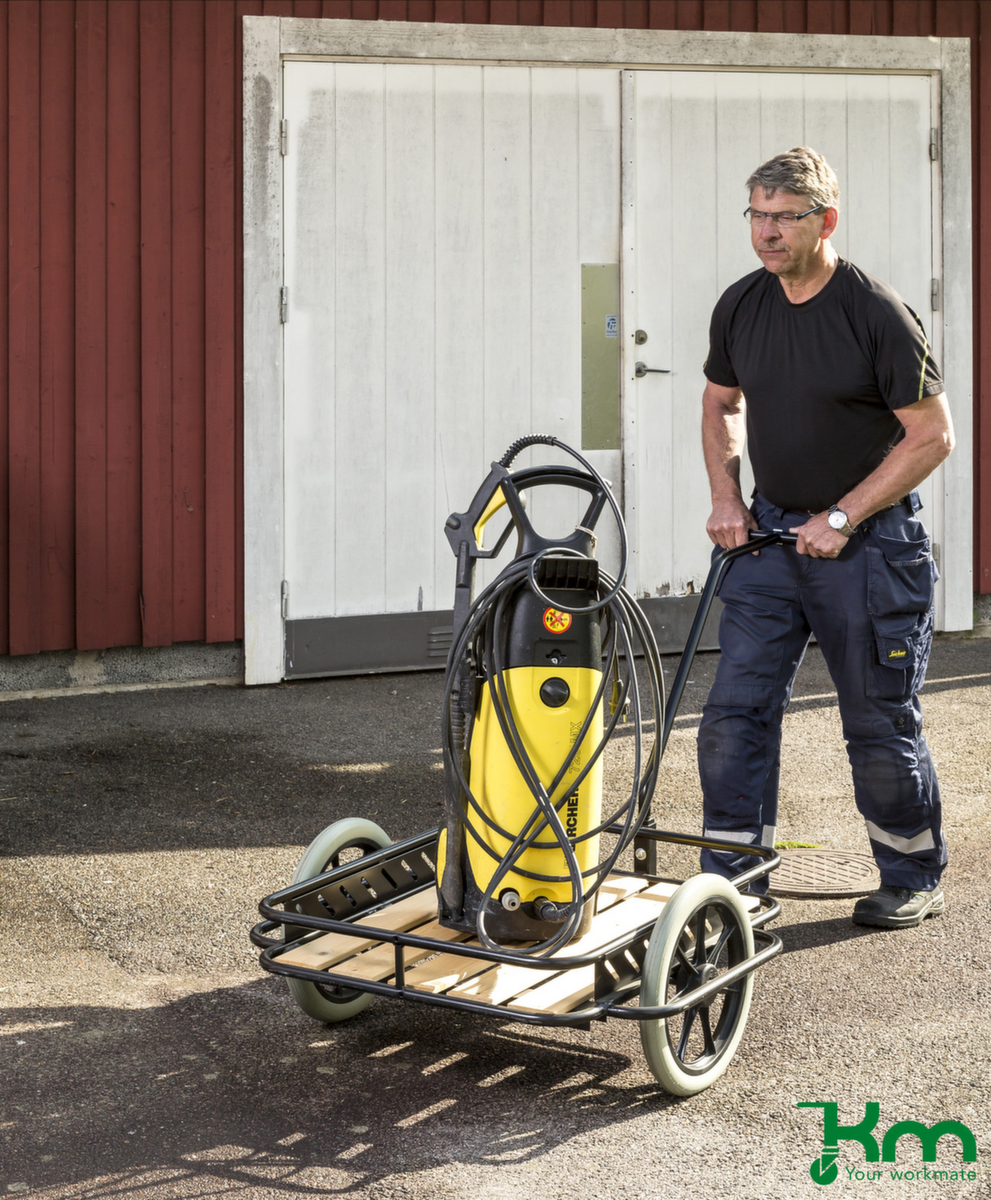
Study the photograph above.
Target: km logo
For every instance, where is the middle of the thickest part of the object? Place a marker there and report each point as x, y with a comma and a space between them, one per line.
824, 1170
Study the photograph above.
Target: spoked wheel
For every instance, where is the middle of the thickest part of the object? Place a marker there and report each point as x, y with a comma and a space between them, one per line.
338, 844
703, 931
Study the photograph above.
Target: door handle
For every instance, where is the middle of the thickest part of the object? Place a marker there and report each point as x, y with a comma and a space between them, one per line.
641, 369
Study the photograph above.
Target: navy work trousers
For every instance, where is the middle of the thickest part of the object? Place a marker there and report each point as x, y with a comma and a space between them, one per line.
870, 610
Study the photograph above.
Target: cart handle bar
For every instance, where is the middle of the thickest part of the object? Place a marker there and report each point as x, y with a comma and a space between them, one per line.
759, 538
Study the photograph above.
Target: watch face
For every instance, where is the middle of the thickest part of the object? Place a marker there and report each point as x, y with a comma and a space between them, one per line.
837, 519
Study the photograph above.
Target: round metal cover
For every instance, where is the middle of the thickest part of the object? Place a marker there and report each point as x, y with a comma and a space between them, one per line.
824, 874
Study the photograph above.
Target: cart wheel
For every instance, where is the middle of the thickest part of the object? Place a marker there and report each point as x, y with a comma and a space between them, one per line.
326, 1002
703, 931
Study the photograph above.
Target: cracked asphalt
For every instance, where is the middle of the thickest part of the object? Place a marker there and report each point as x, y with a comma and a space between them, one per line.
145, 1054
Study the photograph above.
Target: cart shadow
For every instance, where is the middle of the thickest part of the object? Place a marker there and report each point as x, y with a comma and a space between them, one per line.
831, 931
235, 1088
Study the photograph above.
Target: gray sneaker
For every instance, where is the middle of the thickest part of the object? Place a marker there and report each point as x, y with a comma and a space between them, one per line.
897, 907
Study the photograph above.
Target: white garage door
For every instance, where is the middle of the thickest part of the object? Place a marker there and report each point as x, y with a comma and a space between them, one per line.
443, 226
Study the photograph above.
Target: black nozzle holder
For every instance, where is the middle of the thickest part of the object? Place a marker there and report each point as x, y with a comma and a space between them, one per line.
567, 573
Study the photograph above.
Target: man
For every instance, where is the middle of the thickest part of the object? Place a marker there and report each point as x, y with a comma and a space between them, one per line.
826, 373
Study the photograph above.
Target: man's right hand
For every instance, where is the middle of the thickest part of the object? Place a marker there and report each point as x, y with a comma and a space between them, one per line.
730, 523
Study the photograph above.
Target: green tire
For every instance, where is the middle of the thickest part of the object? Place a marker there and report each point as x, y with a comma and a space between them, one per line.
703, 931
328, 1003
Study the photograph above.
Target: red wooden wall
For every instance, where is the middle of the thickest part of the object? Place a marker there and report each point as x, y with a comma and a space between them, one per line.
120, 427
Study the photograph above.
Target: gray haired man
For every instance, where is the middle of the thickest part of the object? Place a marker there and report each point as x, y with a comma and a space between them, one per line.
826, 373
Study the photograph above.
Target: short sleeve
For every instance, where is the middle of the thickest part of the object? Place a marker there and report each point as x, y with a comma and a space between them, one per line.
903, 361
718, 366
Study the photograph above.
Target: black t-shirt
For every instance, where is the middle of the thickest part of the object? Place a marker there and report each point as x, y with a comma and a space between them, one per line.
820, 379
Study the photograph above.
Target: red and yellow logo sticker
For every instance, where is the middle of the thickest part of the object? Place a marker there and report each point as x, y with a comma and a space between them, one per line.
556, 621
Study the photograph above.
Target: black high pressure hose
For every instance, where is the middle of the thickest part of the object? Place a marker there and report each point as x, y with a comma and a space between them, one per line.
627, 634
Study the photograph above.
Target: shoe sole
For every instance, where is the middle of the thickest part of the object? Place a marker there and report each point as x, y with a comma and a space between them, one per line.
935, 909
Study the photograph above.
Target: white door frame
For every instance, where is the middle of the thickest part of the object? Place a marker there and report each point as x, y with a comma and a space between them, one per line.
269, 41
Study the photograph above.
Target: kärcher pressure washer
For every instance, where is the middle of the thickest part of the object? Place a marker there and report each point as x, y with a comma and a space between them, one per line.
525, 724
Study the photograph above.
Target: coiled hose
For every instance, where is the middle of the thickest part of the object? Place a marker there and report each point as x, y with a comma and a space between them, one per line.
484, 636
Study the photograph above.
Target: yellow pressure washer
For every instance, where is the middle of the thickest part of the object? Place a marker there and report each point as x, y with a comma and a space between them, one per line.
525, 723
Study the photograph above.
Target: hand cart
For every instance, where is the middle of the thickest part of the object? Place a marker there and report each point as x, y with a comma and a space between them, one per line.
360, 919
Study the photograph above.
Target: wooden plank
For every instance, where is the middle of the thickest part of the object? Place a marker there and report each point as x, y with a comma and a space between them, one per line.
23, 367
188, 351
819, 17
982, 281
981, 66
560, 994
361, 469
508, 241
861, 17
826, 131
91, 325
617, 888
577, 984
503, 982
122, 615
262, 348
310, 106
412, 526
449, 970
380, 961
366, 958
156, 327
658, 112
572, 988
4, 341
460, 314
868, 188
678, 136
331, 948
909, 18
57, 601
909, 216
555, 291
220, 382
443, 972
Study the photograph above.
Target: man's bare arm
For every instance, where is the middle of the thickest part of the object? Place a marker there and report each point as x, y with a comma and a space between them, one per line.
928, 440
723, 437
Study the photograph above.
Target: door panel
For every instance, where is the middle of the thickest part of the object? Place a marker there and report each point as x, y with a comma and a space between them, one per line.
696, 137
437, 218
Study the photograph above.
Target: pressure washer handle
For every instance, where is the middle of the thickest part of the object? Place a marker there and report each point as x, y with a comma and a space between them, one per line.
501, 487
759, 538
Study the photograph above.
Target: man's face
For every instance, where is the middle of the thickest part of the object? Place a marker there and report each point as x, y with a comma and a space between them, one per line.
783, 251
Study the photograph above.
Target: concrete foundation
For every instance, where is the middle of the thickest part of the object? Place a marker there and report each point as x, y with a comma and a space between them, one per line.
186, 662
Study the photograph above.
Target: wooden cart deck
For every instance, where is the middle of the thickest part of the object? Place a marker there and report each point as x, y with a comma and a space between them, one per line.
624, 903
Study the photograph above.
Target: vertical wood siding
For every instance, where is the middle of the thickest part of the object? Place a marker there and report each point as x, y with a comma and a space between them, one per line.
120, 421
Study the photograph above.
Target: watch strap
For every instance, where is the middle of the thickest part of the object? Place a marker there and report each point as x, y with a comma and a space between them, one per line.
846, 529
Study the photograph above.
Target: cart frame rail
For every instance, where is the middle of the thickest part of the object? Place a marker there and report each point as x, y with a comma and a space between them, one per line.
345, 901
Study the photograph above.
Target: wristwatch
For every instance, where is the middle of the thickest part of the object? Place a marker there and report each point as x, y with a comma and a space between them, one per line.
838, 521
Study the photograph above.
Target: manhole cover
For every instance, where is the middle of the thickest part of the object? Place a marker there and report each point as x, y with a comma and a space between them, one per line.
826, 874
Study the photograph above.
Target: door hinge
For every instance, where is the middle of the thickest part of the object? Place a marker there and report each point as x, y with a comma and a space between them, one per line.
285, 599
934, 295
284, 138
284, 305
934, 144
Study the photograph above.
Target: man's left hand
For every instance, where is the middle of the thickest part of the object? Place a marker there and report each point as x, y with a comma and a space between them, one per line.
818, 539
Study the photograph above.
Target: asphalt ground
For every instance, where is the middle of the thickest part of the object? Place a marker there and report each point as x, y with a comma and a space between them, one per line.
145, 1053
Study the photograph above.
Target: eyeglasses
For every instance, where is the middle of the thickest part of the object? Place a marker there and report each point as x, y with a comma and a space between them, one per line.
781, 219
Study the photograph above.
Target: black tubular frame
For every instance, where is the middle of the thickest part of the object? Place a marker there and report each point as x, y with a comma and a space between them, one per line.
346, 900
352, 880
